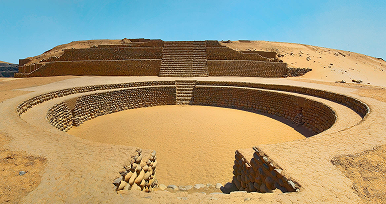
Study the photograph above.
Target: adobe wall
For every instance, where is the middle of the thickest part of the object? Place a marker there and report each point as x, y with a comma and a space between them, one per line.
255, 172
317, 117
100, 68
246, 68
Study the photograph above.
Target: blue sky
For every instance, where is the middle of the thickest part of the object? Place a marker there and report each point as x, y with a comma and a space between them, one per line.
29, 28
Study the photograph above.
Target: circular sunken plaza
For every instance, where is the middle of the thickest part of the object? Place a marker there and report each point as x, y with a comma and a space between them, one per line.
268, 140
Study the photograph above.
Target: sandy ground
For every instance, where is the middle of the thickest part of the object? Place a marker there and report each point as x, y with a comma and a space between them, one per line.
367, 171
195, 144
13, 186
9, 86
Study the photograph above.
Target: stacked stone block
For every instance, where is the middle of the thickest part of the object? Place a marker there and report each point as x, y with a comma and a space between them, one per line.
184, 91
294, 72
140, 57
184, 59
246, 68
100, 68
113, 53
225, 53
317, 117
356, 105
240, 95
257, 173
60, 117
138, 173
23, 107
91, 106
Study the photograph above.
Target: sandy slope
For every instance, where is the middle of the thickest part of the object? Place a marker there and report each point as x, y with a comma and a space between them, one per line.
326, 64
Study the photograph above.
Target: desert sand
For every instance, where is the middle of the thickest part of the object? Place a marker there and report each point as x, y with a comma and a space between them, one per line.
327, 64
188, 138
72, 169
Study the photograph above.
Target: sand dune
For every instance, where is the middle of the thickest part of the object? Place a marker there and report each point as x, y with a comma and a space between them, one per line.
327, 64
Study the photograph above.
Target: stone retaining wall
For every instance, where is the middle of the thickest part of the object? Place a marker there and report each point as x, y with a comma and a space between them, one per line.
60, 116
225, 53
246, 68
255, 172
91, 106
113, 53
24, 106
316, 116
354, 104
100, 68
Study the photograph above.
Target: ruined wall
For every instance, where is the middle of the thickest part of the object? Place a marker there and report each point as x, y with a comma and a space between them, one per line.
317, 117
255, 172
246, 68
100, 68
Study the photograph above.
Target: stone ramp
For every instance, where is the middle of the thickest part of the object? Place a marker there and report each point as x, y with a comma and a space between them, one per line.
184, 59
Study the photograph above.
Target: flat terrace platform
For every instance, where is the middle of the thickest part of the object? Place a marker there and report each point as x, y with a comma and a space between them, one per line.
89, 179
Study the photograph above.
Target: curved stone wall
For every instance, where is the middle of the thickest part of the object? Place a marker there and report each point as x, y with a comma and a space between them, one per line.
317, 117
253, 171
90, 106
60, 116
247, 96
354, 104
23, 107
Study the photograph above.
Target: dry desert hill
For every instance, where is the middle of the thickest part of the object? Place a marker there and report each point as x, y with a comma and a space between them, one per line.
343, 164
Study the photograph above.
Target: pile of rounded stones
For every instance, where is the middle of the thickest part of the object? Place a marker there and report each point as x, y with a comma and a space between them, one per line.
138, 173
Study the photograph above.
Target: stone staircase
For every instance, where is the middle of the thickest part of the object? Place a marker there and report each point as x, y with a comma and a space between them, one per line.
184, 91
184, 59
